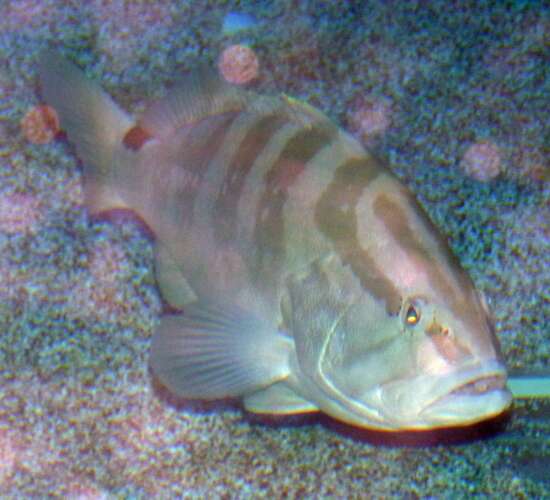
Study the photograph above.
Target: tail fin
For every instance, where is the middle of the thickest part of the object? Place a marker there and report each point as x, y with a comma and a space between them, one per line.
93, 122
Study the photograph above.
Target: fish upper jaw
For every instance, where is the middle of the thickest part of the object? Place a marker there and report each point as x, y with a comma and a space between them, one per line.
460, 398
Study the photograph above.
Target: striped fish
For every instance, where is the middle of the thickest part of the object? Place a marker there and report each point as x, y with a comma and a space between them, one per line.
307, 276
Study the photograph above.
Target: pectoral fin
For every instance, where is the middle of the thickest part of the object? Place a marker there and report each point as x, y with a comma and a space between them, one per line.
215, 351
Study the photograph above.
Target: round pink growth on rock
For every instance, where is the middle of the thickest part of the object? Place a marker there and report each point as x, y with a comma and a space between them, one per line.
481, 161
239, 64
370, 117
40, 124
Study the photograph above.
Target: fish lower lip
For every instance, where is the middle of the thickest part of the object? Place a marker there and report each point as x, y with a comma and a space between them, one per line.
481, 385
474, 380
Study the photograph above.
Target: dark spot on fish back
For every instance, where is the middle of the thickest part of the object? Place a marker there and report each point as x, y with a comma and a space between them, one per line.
136, 137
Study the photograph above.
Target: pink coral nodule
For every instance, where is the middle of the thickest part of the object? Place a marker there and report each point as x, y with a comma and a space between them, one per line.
481, 161
40, 124
239, 64
369, 117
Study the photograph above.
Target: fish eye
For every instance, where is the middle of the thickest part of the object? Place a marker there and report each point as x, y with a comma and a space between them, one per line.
412, 317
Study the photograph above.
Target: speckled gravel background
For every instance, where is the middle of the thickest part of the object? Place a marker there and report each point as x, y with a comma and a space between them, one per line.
81, 417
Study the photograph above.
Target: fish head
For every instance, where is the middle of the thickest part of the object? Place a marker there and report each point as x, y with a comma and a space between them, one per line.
421, 368
406, 341
434, 369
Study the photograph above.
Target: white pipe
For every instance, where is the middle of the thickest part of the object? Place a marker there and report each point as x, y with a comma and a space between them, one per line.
529, 386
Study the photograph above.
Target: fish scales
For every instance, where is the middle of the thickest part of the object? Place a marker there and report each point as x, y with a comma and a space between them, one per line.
337, 220
271, 217
306, 276
202, 142
252, 144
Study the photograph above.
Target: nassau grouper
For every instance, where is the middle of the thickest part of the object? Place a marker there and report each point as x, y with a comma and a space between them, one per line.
307, 276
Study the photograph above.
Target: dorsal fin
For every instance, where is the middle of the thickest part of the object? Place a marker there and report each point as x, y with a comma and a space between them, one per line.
202, 93
198, 94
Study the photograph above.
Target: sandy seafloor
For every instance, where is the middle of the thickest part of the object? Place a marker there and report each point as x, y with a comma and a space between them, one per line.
81, 416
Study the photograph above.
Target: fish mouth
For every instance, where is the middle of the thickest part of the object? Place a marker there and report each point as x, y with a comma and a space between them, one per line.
460, 398
481, 385
472, 395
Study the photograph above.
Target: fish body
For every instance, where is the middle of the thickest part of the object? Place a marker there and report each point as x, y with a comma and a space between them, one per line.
308, 277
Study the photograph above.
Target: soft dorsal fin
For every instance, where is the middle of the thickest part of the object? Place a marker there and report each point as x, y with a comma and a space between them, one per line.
198, 94
202, 93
